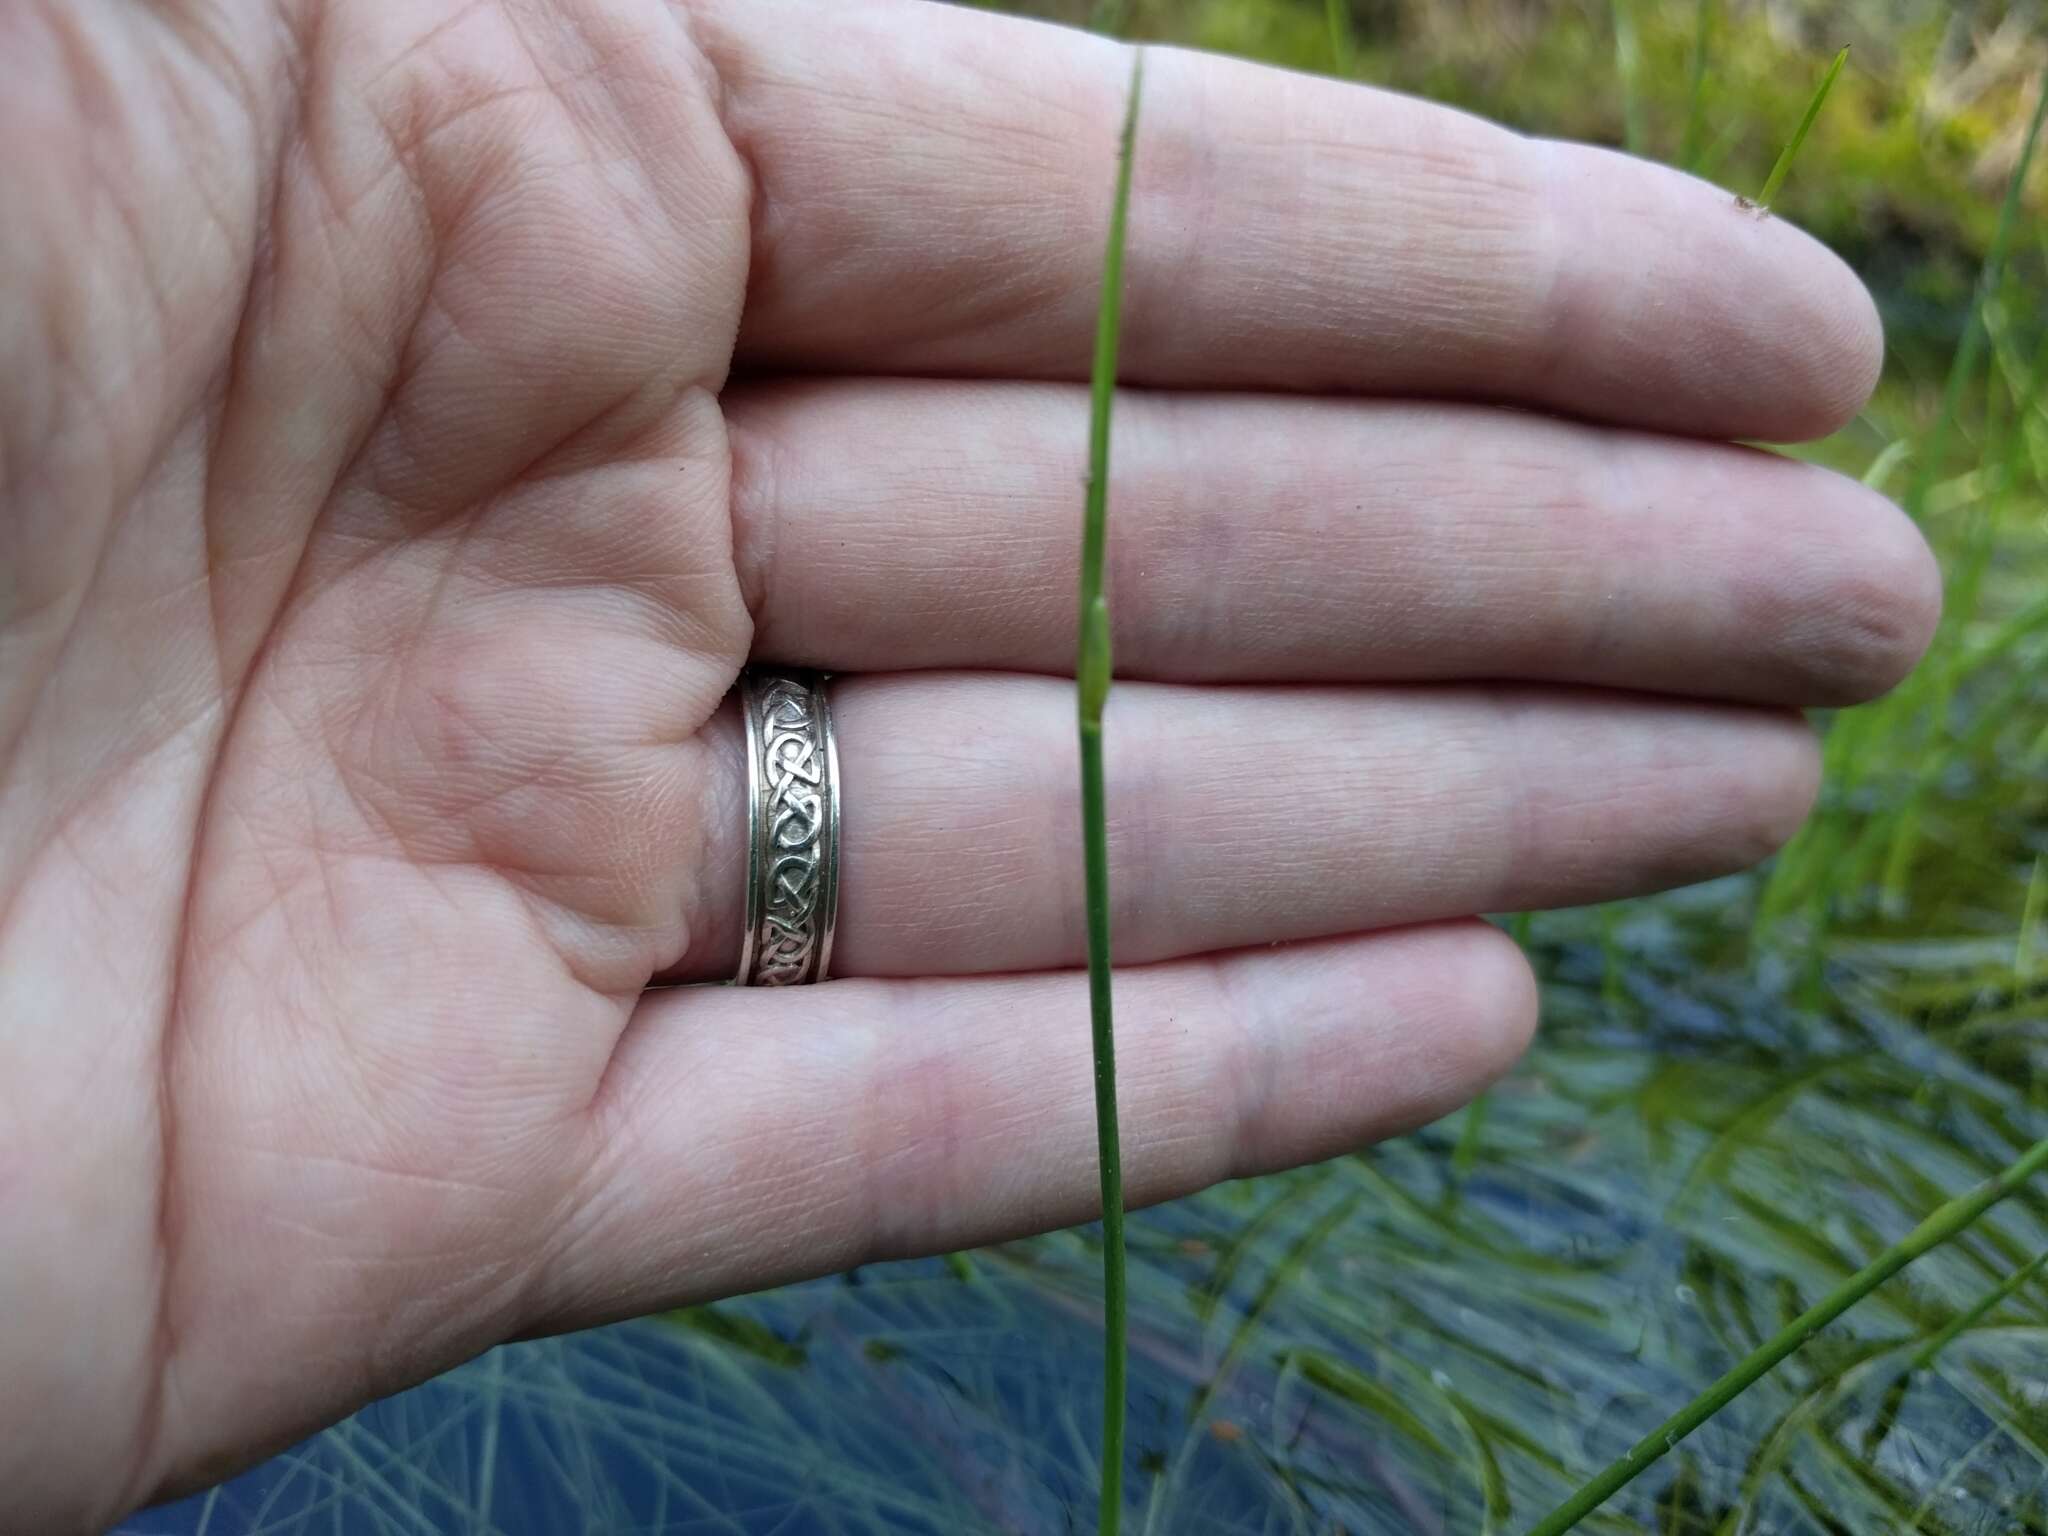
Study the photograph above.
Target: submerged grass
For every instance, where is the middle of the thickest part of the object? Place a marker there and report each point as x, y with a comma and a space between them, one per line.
1940, 1226
1092, 691
1953, 1216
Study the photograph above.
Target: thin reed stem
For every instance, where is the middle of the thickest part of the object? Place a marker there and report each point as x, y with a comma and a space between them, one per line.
1092, 679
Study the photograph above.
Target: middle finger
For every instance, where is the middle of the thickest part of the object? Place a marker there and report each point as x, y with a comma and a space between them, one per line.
893, 525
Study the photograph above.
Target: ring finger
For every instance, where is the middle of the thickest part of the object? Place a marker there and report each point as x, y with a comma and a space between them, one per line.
1242, 816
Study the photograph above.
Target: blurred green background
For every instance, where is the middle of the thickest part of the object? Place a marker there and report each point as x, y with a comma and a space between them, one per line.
1904, 171
1742, 1092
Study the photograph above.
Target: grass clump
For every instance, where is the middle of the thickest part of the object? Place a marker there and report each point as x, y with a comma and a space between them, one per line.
1942, 1225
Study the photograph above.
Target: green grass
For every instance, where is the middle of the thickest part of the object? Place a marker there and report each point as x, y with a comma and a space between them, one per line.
1783, 165
1690, 147
1628, 72
1955, 1215
1950, 1219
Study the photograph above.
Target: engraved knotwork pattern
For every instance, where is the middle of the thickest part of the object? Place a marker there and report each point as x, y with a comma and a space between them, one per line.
793, 827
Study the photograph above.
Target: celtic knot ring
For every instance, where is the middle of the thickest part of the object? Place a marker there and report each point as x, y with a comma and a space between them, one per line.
792, 828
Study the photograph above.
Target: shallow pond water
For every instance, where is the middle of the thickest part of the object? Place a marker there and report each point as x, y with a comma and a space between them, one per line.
1443, 1334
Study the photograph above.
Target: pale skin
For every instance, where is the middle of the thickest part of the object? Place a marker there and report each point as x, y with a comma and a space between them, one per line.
413, 416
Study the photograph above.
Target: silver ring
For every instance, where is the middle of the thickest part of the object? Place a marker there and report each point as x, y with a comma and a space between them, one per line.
792, 828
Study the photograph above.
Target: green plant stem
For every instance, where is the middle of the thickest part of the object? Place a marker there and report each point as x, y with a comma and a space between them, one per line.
1945, 1222
1784, 166
1092, 680
1924, 1356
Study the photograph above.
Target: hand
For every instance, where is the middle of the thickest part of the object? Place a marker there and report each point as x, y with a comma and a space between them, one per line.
411, 418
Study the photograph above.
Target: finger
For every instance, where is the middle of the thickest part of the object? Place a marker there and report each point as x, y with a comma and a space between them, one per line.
1246, 816
749, 1137
932, 187
1263, 538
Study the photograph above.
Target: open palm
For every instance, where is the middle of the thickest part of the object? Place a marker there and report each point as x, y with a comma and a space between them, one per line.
412, 418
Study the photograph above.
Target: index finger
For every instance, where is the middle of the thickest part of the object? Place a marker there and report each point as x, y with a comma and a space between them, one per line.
933, 187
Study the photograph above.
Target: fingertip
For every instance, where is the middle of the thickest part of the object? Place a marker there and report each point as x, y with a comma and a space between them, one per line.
1503, 1000
1841, 586
1775, 787
1467, 1012
1747, 778
1803, 341
1885, 602
1678, 305
1865, 344
1833, 344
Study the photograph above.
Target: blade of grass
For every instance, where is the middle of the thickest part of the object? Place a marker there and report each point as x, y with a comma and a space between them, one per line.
1343, 50
1944, 1223
1988, 277
1251, 1236
1465, 1156
1888, 459
1286, 1270
1628, 61
2030, 920
1696, 109
1109, 17
1378, 1402
1937, 1342
1092, 689
1612, 992
1947, 668
1983, 536
1785, 157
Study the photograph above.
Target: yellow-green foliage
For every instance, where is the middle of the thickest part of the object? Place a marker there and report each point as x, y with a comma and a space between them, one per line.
1901, 174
